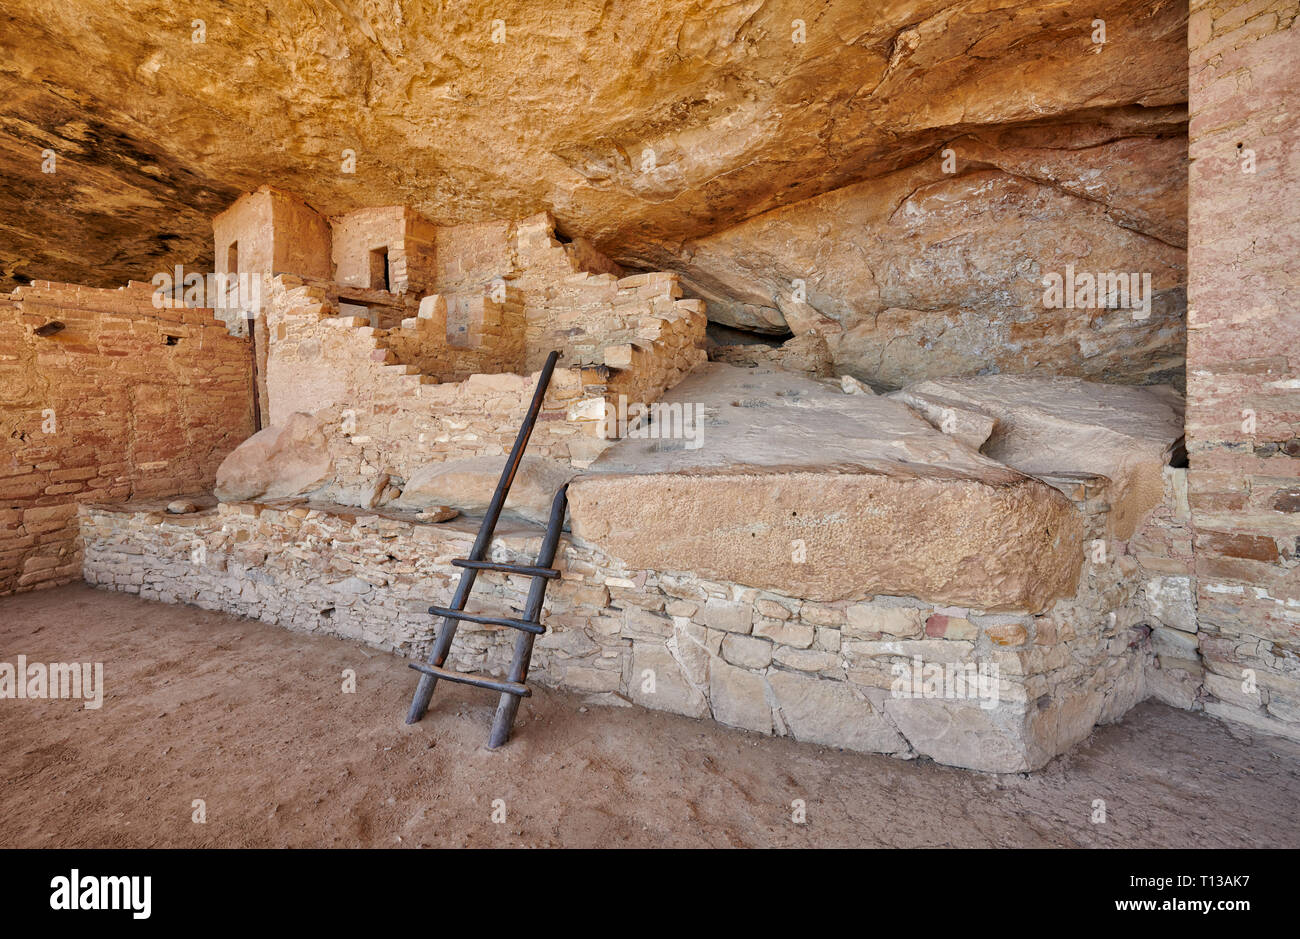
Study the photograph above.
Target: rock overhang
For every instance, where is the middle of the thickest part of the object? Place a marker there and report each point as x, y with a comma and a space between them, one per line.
743, 144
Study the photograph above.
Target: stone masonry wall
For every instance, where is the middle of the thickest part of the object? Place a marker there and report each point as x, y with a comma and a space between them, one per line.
808, 354
637, 325
406, 236
410, 397
1243, 357
858, 675
126, 401
272, 231
268, 231
384, 419
492, 339
468, 257
577, 302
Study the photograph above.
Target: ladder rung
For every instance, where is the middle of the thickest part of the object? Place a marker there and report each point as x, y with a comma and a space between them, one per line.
535, 628
519, 689
548, 572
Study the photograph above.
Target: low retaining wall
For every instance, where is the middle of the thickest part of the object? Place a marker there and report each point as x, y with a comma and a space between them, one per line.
1003, 692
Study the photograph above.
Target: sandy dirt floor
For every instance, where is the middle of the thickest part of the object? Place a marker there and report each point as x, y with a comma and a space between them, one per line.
252, 719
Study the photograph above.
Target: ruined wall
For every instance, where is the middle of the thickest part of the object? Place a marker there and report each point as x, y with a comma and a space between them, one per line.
592, 316
873, 676
406, 240
578, 302
485, 336
634, 339
408, 397
264, 232
1243, 417
808, 354
382, 418
127, 400
571, 308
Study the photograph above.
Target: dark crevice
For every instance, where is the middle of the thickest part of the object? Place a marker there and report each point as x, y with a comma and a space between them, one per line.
725, 335
1178, 454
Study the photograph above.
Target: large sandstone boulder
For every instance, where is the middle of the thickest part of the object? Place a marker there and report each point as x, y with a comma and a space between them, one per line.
278, 462
944, 274
800, 488
468, 485
1045, 426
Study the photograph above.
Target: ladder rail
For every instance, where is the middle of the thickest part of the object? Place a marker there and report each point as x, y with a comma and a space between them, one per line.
478, 681
447, 632
508, 706
512, 464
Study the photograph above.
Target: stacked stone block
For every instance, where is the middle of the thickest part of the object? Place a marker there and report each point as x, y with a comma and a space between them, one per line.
1243, 360
821, 672
126, 400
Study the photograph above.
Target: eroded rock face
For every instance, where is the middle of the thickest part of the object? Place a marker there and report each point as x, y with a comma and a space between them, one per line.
801, 488
649, 128
278, 462
954, 418
993, 543
923, 273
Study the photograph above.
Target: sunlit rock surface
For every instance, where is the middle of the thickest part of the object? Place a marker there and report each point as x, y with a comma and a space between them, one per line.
797, 486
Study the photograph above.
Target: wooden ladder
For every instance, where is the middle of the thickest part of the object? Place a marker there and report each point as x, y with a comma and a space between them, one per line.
513, 686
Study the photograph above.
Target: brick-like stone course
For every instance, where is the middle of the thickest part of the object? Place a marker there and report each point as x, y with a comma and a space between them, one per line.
126, 401
1243, 359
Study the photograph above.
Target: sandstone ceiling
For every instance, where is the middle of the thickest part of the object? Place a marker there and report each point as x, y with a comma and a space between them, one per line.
154, 132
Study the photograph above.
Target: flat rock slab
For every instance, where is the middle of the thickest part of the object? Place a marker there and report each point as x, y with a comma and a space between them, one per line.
802, 489
468, 485
768, 417
1048, 426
